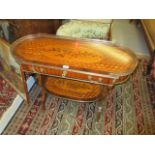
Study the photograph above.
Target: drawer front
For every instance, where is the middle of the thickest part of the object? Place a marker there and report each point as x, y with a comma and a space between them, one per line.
72, 75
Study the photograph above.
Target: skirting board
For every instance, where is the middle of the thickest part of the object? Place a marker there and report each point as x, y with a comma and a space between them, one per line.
7, 116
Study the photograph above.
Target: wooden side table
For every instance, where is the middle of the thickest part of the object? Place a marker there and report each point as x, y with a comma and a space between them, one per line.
87, 65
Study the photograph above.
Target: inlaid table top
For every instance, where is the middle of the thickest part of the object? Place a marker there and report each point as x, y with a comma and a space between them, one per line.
96, 56
74, 68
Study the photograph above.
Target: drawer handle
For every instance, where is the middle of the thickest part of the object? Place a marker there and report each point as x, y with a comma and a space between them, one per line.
41, 69
89, 77
64, 73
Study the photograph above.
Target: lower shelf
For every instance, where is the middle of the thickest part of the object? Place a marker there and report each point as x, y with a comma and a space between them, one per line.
75, 90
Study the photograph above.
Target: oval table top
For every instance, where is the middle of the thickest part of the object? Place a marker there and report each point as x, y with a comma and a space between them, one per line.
88, 55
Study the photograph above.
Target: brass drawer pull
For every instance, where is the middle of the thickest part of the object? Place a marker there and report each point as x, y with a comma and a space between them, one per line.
100, 79
64, 73
41, 69
89, 77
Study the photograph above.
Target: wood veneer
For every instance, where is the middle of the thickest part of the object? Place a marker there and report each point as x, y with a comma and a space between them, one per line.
82, 60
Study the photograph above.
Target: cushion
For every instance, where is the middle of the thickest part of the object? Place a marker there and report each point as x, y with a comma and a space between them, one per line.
84, 29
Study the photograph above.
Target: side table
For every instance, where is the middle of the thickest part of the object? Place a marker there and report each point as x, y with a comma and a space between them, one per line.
81, 63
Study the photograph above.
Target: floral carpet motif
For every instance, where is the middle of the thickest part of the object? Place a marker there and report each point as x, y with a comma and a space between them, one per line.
128, 110
7, 95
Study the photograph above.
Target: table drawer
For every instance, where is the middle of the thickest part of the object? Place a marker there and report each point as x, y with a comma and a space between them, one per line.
76, 75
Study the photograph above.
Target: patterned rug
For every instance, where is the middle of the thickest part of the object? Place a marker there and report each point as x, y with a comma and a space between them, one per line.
128, 110
7, 95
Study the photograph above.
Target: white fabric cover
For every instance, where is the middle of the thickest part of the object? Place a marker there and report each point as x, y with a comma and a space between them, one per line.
84, 29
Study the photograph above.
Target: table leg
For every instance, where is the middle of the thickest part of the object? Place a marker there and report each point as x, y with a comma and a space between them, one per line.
25, 84
43, 92
99, 110
43, 99
41, 81
100, 102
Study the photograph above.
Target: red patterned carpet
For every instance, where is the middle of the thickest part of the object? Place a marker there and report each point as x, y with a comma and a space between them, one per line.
7, 95
128, 110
